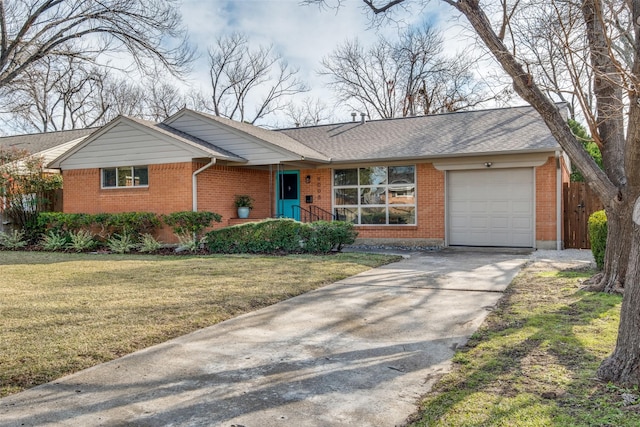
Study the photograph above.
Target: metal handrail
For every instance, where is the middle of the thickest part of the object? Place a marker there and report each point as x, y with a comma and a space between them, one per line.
314, 213
322, 214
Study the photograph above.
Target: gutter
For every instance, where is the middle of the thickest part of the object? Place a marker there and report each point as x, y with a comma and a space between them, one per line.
194, 183
558, 202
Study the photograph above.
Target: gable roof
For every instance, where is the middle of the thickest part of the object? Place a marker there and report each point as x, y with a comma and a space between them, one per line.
189, 139
197, 146
38, 142
274, 138
505, 130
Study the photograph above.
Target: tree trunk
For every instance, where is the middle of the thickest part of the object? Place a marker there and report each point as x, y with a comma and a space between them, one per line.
619, 228
623, 366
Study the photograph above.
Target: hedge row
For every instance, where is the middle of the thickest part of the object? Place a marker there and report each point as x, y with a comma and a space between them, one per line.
134, 224
281, 236
126, 232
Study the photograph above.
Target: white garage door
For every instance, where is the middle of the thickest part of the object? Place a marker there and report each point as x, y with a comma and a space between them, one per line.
491, 207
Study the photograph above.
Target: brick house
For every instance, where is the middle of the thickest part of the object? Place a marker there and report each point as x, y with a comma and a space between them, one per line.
478, 178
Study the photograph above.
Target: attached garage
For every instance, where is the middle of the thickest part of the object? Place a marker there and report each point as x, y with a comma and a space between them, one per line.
491, 207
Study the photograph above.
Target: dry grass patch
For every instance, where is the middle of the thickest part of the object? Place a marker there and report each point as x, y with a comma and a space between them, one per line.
533, 362
65, 312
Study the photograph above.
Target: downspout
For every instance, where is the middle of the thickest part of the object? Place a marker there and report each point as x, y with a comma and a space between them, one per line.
194, 183
558, 202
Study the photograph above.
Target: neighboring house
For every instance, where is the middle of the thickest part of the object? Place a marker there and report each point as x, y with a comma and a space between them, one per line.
48, 145
478, 178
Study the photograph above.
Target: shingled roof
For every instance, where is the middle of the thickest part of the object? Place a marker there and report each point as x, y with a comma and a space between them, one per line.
38, 142
505, 130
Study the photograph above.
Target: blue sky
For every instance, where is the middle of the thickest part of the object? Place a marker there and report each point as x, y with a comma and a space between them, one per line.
303, 35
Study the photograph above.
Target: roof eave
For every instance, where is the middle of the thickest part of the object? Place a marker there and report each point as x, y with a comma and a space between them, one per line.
448, 155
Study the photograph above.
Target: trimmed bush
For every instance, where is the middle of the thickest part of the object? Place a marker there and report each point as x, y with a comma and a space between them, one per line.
281, 236
64, 222
270, 236
598, 236
189, 222
120, 232
331, 235
132, 224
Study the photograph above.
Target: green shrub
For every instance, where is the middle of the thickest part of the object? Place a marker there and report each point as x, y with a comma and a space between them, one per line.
327, 236
598, 236
281, 236
64, 222
132, 224
269, 236
81, 241
189, 222
14, 240
121, 243
54, 241
148, 244
135, 224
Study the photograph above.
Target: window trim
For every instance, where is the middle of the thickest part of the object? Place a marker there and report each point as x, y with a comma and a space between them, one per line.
119, 187
388, 187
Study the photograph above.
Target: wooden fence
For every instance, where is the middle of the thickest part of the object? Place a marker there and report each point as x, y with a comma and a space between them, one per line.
579, 203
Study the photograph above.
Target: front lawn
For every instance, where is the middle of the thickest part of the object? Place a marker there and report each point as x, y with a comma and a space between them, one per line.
65, 312
533, 362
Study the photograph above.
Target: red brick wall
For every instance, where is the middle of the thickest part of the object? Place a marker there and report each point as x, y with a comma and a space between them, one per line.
169, 191
218, 185
319, 188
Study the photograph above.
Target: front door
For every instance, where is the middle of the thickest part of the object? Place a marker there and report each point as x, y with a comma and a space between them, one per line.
288, 190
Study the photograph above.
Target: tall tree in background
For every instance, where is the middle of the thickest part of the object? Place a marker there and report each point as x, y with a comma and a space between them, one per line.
602, 37
56, 94
405, 77
32, 30
309, 112
242, 76
65, 93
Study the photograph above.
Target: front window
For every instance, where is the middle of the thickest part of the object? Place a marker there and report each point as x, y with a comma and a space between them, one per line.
377, 195
127, 176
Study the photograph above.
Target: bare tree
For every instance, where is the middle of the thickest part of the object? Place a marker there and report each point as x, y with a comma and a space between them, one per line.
56, 94
32, 30
64, 93
403, 78
611, 31
310, 112
242, 77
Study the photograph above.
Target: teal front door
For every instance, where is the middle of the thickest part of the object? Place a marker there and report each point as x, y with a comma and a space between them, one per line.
288, 190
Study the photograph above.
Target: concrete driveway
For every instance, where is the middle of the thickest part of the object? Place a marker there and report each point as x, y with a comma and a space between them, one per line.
358, 352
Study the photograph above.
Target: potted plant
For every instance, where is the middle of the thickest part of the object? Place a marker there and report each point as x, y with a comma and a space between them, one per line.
244, 203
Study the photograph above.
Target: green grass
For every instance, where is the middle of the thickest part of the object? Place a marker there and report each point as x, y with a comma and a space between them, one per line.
65, 312
534, 361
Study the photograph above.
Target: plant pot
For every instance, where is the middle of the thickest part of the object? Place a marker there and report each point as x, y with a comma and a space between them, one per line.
243, 212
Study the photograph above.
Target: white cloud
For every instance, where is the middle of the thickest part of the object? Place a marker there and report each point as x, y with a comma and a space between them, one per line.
302, 35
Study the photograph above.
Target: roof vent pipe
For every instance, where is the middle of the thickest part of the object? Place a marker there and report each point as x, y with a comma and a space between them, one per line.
353, 116
362, 118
